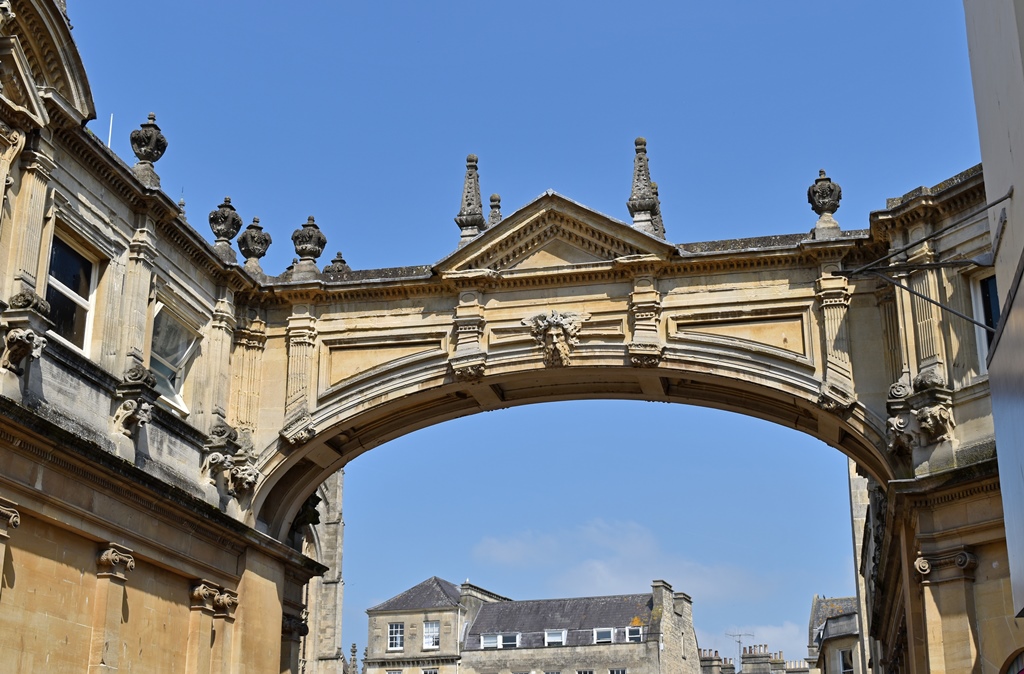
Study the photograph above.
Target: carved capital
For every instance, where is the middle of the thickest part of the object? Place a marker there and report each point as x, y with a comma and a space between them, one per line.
644, 355
202, 596
956, 564
21, 343
115, 561
557, 334
224, 604
299, 431
293, 627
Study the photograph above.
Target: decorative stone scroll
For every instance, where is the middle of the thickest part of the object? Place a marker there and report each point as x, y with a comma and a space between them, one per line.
920, 415
21, 343
115, 560
957, 564
131, 415
10, 518
556, 333
27, 299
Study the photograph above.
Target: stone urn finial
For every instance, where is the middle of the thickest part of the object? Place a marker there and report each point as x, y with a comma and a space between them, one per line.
495, 216
337, 265
254, 243
309, 241
225, 222
148, 143
824, 196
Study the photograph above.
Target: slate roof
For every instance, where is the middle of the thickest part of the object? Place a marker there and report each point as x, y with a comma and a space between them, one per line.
434, 592
578, 616
823, 608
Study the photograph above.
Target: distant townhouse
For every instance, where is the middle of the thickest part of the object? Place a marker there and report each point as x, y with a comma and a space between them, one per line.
437, 627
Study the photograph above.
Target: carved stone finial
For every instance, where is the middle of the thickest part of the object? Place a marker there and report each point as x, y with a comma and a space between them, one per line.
21, 343
643, 204
148, 143
824, 196
225, 221
309, 241
495, 216
471, 215
337, 265
181, 206
254, 242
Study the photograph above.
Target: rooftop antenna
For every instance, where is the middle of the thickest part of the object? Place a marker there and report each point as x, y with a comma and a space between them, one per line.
110, 133
738, 638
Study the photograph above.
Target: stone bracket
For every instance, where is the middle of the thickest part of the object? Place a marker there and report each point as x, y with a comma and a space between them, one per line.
299, 431
21, 343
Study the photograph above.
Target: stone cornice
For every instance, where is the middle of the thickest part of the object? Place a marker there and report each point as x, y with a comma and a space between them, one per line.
87, 463
948, 198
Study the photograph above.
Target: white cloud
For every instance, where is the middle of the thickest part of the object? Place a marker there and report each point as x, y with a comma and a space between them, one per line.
614, 557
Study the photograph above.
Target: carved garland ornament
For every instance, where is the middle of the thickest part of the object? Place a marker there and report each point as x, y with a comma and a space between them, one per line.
557, 334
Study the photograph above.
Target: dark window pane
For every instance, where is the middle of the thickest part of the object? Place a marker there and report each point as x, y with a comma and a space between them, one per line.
990, 304
67, 316
70, 268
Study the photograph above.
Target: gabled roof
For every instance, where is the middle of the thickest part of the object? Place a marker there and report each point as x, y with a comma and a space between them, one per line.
823, 608
578, 616
553, 231
434, 592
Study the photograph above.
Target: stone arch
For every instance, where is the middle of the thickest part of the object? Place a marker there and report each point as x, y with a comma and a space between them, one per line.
44, 32
343, 434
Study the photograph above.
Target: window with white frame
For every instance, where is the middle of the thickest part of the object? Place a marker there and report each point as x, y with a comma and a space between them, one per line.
552, 673
603, 635
584, 671
393, 671
554, 637
70, 291
431, 634
846, 662
396, 636
173, 346
986, 311
431, 670
510, 640
489, 641
634, 635
617, 671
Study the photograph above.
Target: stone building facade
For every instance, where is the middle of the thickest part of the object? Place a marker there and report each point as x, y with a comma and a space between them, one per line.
172, 414
439, 628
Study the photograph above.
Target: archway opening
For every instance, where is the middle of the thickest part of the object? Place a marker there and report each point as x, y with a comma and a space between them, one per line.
591, 498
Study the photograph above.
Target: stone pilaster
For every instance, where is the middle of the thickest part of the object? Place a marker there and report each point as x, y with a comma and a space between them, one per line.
301, 334
142, 255
469, 357
645, 313
200, 627
224, 605
250, 341
218, 353
113, 563
950, 627
833, 302
293, 629
27, 249
10, 519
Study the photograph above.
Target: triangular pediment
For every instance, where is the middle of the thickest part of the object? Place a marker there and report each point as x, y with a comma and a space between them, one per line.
17, 88
551, 232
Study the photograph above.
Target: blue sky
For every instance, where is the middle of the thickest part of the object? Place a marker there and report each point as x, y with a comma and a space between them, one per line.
362, 113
